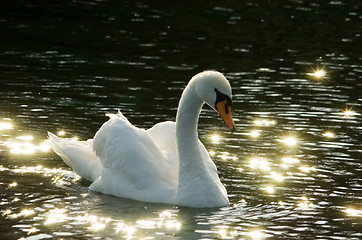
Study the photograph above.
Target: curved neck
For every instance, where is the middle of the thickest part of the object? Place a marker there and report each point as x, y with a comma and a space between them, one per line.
187, 117
191, 163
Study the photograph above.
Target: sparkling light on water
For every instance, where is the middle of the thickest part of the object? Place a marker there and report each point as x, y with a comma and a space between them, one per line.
13, 184
306, 169
289, 141
44, 147
97, 226
6, 125
173, 224
350, 211
55, 216
265, 69
290, 160
223, 233
7, 212
165, 214
254, 163
61, 133
277, 176
227, 156
25, 147
125, 229
148, 224
259, 163
254, 133
84, 69
32, 230
224, 156
305, 204
256, 235
215, 138
264, 122
165, 220
27, 212
26, 137
329, 134
318, 73
349, 113
269, 189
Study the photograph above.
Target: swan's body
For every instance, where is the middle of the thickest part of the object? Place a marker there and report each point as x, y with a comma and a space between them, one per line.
166, 163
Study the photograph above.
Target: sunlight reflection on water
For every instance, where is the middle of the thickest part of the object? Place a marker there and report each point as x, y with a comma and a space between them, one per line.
278, 173
166, 220
292, 170
6, 125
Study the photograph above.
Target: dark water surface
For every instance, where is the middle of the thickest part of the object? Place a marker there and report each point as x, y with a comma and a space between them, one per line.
292, 170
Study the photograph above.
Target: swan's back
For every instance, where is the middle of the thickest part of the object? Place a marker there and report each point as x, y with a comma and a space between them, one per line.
133, 165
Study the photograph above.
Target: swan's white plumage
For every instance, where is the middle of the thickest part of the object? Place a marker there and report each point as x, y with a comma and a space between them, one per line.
78, 155
145, 165
133, 165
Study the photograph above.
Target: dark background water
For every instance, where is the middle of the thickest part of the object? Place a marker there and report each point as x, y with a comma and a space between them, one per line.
64, 64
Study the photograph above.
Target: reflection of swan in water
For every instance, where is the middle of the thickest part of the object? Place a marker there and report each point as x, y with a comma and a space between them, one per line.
166, 163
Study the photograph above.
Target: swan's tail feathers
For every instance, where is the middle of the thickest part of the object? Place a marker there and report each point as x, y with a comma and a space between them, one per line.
118, 115
78, 155
55, 143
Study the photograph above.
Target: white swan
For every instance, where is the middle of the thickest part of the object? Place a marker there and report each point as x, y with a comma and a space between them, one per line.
166, 163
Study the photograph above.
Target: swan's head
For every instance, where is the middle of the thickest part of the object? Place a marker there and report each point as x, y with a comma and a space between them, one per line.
215, 90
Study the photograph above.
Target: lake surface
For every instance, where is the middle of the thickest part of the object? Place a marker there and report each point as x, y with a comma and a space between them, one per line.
292, 170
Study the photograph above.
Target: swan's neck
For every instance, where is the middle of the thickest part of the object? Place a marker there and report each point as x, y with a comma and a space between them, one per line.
198, 183
191, 162
188, 117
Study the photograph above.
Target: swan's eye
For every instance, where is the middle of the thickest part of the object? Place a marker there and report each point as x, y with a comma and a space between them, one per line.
222, 97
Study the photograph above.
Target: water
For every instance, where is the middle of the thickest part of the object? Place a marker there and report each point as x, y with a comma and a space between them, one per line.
293, 168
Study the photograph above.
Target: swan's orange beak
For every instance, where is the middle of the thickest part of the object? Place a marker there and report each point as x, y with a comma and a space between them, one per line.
225, 112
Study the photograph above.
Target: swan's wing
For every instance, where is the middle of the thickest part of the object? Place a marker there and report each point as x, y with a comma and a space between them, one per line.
164, 135
131, 161
78, 155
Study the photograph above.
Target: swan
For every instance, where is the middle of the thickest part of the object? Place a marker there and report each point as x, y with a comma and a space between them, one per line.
164, 164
